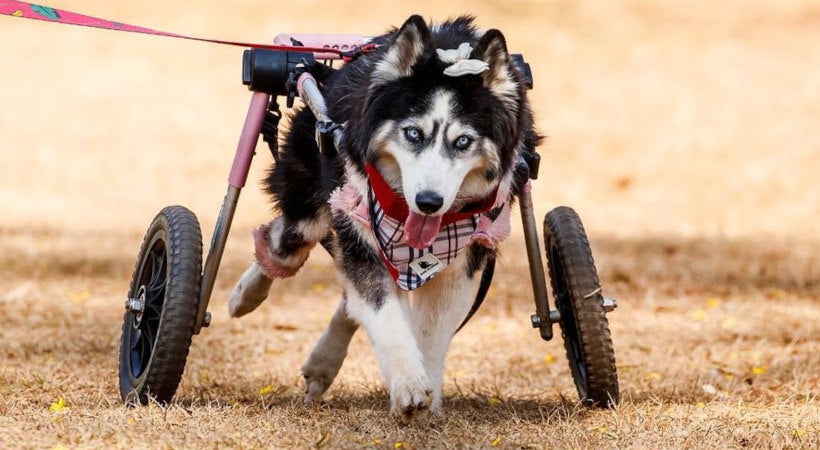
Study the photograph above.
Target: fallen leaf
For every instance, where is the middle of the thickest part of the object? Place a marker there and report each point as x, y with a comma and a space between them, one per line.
400, 444
497, 441
59, 405
759, 370
266, 390
799, 433
494, 401
728, 323
775, 294
652, 376
79, 296
699, 315
713, 302
701, 405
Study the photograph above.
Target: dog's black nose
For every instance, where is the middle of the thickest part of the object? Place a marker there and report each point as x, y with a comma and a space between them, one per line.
429, 201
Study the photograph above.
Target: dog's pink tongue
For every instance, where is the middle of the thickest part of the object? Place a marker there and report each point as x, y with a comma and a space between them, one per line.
420, 230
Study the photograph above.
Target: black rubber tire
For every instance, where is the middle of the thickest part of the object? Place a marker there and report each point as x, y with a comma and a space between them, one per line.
578, 297
154, 344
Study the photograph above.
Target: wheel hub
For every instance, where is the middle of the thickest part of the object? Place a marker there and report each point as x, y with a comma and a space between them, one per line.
136, 306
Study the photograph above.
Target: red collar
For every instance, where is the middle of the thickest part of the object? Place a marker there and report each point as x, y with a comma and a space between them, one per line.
395, 206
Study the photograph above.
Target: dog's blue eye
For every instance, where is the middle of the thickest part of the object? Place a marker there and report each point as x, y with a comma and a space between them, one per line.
463, 142
412, 134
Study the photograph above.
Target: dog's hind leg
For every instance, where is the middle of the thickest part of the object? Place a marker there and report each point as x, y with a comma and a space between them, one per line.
439, 307
329, 353
298, 184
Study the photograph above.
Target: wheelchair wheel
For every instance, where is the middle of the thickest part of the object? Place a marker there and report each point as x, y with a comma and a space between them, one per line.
577, 294
161, 308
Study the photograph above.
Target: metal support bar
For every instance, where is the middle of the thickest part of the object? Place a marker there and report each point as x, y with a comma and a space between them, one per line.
541, 319
236, 180
220, 236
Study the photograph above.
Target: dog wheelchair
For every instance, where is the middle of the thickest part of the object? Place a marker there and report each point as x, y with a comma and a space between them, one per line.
167, 301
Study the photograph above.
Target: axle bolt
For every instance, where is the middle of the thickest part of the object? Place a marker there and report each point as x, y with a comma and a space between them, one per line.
610, 304
134, 305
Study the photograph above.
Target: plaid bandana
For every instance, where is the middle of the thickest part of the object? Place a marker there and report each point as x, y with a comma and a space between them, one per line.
411, 267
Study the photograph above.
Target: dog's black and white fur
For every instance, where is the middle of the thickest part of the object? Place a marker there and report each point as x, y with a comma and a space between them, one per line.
408, 119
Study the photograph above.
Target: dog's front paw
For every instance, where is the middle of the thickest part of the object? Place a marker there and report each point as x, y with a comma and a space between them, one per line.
317, 381
410, 399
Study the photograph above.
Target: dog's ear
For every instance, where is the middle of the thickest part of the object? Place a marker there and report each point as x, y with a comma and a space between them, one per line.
409, 45
492, 49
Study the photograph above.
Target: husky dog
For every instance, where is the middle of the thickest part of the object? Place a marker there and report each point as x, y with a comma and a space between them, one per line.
411, 206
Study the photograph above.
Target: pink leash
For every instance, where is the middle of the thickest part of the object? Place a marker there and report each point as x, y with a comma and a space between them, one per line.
39, 12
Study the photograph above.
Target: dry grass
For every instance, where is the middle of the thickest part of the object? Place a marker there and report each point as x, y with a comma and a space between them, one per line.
684, 133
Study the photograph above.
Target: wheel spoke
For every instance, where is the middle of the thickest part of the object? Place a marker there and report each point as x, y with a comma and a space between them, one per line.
148, 332
135, 338
145, 351
157, 281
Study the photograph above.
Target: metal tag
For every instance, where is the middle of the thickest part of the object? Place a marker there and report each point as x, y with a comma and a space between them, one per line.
427, 266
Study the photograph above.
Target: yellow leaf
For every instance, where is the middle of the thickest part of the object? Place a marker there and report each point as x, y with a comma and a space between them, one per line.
131, 421
79, 296
377, 441
728, 323
549, 359
701, 405
776, 294
653, 376
699, 315
400, 444
729, 376
496, 441
494, 401
266, 390
318, 287
59, 405
799, 433
759, 370
713, 302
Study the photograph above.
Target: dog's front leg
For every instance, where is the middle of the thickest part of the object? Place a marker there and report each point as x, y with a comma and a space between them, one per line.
438, 308
385, 317
374, 302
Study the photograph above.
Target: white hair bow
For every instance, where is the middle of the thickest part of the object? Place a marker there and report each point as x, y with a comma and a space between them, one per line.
459, 62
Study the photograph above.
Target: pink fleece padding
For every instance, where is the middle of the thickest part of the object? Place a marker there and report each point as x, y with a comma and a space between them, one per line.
347, 199
269, 264
490, 233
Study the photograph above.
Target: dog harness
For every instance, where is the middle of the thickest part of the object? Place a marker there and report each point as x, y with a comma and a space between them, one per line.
383, 212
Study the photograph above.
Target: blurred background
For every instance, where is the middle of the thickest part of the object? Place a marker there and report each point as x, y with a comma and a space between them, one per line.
666, 119
685, 133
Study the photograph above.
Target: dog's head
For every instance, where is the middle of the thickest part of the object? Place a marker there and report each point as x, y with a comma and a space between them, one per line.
442, 141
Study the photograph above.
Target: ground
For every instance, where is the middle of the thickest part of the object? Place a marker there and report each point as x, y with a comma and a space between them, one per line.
684, 133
